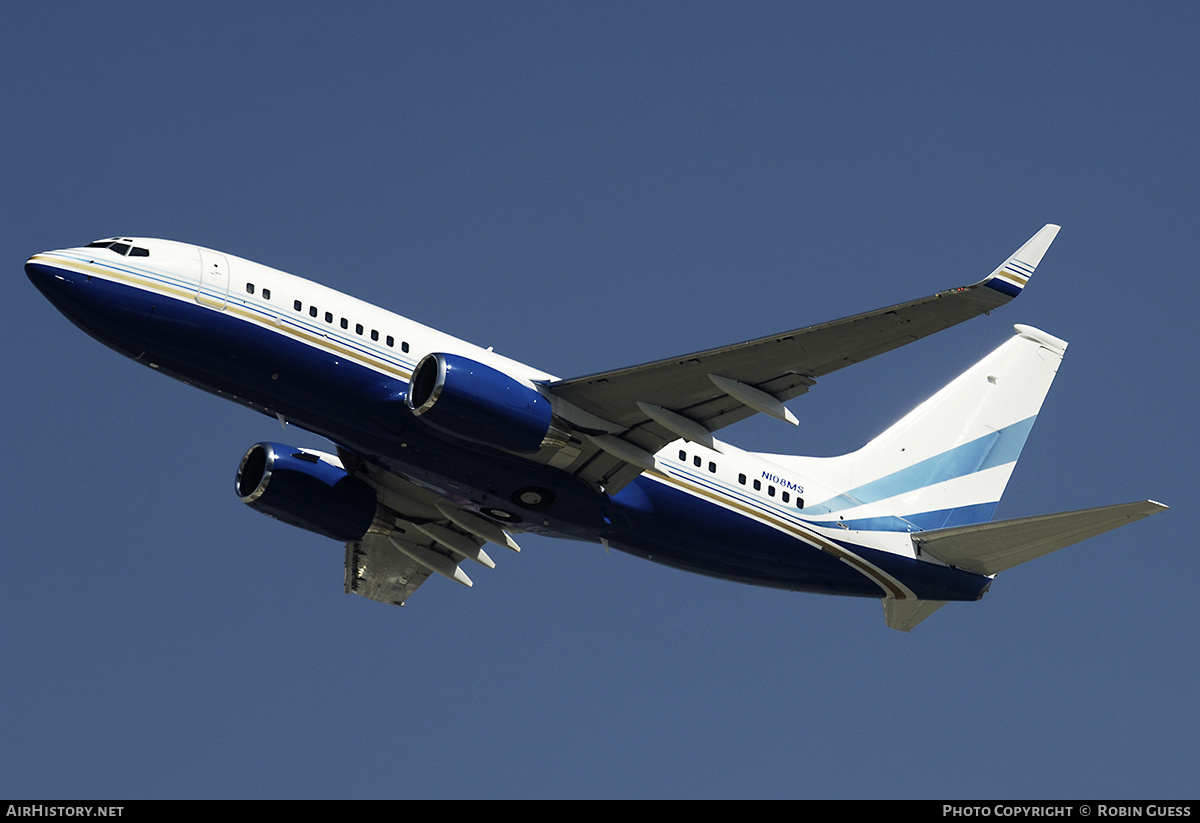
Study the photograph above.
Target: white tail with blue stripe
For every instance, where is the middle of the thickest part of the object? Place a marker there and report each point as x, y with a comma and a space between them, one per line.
947, 462
939, 472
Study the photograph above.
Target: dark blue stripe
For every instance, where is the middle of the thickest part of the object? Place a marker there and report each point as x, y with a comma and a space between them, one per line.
1003, 286
357, 407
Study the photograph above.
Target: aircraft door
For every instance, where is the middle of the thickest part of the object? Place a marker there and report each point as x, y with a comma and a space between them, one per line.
213, 290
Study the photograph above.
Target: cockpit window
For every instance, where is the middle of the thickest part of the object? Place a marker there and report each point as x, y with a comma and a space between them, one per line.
123, 248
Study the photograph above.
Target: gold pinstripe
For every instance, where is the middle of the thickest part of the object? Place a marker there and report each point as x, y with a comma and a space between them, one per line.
1013, 277
881, 578
280, 324
885, 581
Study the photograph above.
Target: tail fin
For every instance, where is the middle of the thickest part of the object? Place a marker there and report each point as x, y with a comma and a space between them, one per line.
947, 462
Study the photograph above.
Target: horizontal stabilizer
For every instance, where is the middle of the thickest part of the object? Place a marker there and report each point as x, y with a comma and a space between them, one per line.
902, 615
990, 548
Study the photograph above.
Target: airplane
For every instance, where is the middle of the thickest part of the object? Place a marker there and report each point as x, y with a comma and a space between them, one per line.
442, 447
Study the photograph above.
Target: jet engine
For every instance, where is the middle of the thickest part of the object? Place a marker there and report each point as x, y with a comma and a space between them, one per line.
474, 402
306, 489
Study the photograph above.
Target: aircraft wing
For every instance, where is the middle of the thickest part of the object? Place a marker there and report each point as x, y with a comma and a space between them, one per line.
376, 570
648, 406
415, 534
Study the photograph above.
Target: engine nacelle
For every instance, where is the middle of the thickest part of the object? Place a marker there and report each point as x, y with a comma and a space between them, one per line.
469, 400
306, 489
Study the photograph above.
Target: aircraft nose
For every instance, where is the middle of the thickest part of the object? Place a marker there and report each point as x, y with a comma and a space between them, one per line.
100, 308
42, 275
72, 292
61, 287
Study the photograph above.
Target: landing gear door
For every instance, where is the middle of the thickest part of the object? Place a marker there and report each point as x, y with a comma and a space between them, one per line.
214, 280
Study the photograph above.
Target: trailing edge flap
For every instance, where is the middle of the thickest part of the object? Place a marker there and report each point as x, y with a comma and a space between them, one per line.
416, 533
902, 615
990, 548
389, 566
374, 569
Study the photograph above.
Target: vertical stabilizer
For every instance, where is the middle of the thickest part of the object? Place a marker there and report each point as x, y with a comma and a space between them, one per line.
947, 462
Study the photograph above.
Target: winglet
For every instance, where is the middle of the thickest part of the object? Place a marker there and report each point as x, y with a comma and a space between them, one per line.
1015, 272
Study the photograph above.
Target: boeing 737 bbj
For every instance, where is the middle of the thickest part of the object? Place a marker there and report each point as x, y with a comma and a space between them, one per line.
442, 447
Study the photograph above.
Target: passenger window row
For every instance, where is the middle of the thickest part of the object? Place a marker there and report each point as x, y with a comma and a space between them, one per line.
313, 311
785, 496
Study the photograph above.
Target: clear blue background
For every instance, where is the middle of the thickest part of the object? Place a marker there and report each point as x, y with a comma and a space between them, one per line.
587, 186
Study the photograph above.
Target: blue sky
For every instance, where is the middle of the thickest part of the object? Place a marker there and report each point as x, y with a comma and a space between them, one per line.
586, 186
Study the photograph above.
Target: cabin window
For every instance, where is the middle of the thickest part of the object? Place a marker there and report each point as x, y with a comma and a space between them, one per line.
297, 305
742, 479
770, 491
374, 334
345, 323
799, 502
757, 485
358, 328
391, 341
683, 455
249, 288
786, 497
266, 294
712, 467
328, 317
312, 311
696, 461
404, 347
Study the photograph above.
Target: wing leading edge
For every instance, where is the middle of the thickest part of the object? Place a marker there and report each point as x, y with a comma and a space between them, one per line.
648, 406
